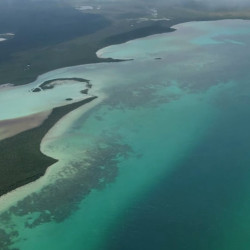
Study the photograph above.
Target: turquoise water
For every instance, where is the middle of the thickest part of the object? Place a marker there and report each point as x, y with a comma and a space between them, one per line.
162, 162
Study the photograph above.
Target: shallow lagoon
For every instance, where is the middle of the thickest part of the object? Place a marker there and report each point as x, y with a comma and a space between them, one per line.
161, 162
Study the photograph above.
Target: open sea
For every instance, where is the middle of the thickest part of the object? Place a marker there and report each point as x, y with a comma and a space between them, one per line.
162, 162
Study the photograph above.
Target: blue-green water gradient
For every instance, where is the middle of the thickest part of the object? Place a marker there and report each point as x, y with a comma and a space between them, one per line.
163, 162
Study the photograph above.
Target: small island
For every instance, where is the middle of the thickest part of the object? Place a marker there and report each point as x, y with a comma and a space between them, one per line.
50, 84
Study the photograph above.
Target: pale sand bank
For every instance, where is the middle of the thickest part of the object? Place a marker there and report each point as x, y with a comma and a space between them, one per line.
21, 101
65, 123
105, 78
9, 128
55, 171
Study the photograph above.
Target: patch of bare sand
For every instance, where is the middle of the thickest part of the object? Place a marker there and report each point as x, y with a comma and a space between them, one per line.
11, 127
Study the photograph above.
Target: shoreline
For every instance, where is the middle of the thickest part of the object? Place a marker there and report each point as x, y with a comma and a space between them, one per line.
12, 127
12, 197
25, 147
50, 132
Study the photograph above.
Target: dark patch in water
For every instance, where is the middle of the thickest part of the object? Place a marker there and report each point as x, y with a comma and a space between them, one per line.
190, 208
58, 201
142, 94
6, 239
21, 154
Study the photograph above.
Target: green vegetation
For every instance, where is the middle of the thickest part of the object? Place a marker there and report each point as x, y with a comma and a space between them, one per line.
123, 26
21, 160
48, 85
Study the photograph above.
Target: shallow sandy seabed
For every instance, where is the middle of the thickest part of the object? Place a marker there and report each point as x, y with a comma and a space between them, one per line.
9, 128
100, 83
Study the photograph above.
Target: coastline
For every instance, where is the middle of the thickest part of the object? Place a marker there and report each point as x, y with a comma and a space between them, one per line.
142, 149
141, 144
47, 133
13, 142
24, 149
12, 127
12, 197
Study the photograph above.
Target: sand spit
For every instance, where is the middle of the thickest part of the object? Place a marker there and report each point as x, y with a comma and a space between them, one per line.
13, 127
23, 101
11, 198
24, 108
101, 83
85, 7
64, 124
